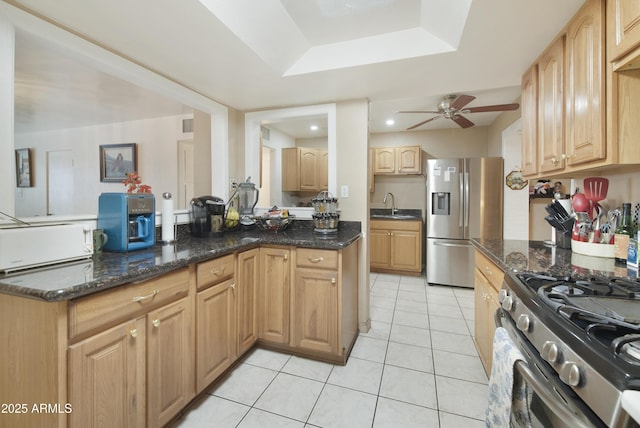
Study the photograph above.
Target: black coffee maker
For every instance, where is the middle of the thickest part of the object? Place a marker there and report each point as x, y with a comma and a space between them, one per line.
206, 214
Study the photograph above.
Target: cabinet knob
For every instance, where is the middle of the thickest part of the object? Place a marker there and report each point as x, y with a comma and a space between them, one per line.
156, 322
487, 270
554, 161
134, 332
333, 280
286, 256
233, 286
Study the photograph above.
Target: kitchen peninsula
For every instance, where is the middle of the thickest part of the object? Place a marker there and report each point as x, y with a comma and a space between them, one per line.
151, 329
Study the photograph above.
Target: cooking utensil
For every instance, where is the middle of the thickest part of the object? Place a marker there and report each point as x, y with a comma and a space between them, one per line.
595, 190
580, 203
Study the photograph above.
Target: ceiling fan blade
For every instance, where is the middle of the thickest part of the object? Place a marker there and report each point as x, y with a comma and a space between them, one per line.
423, 122
462, 121
497, 107
420, 111
461, 101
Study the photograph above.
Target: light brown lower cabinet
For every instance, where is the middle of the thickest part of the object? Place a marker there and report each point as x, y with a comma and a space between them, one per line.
274, 294
136, 355
139, 372
488, 281
396, 246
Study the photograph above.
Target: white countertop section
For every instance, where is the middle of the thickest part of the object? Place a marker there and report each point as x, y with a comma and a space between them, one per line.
631, 404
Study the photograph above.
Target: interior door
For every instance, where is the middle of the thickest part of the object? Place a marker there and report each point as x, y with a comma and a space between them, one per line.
185, 174
60, 182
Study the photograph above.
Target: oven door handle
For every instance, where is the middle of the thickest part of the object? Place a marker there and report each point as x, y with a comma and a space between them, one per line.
548, 398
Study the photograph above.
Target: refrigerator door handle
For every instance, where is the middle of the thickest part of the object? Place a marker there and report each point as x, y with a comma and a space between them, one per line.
467, 204
461, 216
450, 244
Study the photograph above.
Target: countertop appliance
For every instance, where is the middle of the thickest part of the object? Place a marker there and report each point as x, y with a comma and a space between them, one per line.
128, 219
27, 247
206, 214
464, 200
581, 340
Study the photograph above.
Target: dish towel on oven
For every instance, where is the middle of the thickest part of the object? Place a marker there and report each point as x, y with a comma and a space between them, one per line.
507, 393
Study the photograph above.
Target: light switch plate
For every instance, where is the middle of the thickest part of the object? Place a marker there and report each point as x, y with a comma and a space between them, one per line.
344, 191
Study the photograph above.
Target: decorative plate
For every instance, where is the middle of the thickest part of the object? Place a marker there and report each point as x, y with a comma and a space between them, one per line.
515, 181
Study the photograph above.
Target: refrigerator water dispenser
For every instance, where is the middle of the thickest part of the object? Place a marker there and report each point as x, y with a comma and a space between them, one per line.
440, 203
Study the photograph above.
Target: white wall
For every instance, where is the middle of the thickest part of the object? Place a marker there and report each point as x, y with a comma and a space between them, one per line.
157, 151
516, 202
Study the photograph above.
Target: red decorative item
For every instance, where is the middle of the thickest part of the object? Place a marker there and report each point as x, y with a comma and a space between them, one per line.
133, 182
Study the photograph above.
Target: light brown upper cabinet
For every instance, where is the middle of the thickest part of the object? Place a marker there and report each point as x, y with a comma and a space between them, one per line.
623, 27
563, 99
397, 160
304, 169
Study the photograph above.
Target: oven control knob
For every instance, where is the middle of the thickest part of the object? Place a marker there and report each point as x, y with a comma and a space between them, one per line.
502, 294
550, 352
523, 323
508, 303
570, 374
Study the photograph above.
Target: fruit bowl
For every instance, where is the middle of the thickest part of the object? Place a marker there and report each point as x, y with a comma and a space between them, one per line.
275, 223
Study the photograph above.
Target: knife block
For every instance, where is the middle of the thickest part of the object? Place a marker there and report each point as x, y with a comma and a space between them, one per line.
563, 239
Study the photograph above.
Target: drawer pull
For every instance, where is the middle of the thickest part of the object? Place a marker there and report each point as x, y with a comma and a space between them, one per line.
156, 322
134, 333
315, 259
218, 272
148, 296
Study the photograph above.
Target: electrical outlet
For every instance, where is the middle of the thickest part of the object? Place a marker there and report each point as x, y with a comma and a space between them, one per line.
233, 183
344, 191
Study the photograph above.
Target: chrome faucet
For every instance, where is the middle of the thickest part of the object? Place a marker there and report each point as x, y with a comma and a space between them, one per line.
393, 203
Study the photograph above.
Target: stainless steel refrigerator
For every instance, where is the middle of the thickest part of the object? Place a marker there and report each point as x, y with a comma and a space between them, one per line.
464, 200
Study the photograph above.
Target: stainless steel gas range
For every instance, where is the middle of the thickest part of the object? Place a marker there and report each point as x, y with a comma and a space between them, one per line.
581, 340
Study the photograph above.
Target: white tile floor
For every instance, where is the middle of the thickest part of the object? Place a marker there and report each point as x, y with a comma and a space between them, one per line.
417, 367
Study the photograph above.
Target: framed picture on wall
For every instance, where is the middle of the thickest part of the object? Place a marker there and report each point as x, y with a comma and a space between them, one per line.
23, 168
116, 161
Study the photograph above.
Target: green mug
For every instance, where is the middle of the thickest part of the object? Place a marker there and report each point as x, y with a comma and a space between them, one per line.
99, 240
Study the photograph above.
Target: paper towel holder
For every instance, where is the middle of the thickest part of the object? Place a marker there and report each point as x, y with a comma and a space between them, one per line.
167, 212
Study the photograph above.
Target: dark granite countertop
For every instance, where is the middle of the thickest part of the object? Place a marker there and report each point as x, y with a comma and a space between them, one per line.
536, 257
106, 270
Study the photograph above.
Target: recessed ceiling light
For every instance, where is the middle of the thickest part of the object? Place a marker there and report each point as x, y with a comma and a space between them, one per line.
313, 127
390, 122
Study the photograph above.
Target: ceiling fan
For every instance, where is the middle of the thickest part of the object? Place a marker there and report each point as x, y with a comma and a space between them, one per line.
451, 107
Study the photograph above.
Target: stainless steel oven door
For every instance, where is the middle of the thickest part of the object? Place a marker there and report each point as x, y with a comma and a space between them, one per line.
550, 402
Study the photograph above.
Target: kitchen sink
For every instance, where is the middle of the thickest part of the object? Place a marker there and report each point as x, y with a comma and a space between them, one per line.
394, 216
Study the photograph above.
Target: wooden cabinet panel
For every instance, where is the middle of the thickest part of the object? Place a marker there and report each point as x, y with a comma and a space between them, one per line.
380, 254
92, 313
315, 258
316, 310
247, 282
488, 281
305, 169
551, 107
385, 160
397, 160
274, 294
623, 26
486, 305
396, 246
585, 86
170, 361
409, 160
406, 251
215, 332
106, 378
214, 271
529, 114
